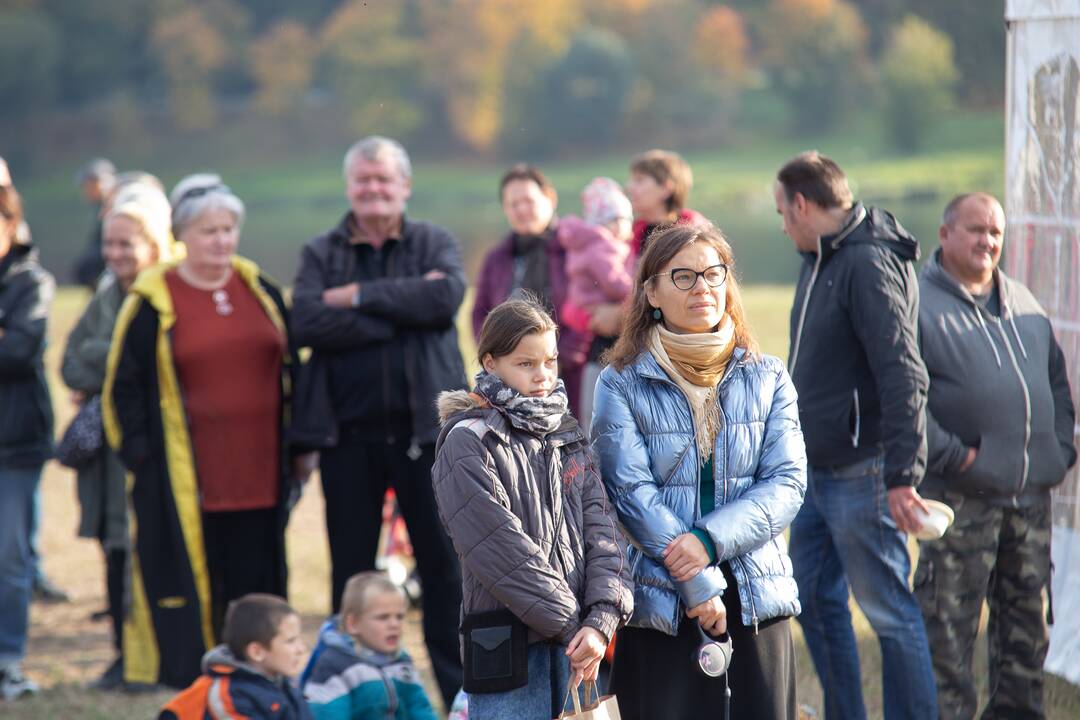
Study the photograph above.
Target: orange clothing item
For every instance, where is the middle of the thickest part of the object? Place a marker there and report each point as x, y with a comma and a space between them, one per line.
228, 356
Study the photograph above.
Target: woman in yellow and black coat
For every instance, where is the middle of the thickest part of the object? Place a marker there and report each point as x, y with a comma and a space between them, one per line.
186, 448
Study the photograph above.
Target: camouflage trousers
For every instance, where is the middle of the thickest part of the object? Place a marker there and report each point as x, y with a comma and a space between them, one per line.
1001, 555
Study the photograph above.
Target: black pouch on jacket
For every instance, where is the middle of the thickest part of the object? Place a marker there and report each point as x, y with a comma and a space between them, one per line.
496, 652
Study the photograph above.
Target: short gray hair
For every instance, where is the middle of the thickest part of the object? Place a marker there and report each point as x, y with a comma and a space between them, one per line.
201, 193
377, 147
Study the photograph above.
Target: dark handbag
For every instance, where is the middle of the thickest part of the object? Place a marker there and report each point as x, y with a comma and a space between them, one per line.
84, 438
496, 652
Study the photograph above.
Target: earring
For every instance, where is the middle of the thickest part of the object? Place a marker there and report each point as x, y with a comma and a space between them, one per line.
657, 315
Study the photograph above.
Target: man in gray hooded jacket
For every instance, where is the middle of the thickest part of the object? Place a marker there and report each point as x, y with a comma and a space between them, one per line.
1000, 434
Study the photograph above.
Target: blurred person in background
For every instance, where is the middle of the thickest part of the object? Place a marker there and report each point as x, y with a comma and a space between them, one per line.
44, 589
26, 428
196, 395
530, 258
376, 298
22, 233
96, 180
659, 189
136, 235
599, 261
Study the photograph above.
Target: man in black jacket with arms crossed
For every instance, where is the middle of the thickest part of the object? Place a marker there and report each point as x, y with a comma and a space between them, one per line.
376, 298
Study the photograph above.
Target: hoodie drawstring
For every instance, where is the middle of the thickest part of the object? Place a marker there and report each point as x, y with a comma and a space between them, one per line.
1016, 334
986, 333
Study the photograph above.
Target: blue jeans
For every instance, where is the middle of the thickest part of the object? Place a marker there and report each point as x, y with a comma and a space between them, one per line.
17, 486
36, 572
549, 675
844, 536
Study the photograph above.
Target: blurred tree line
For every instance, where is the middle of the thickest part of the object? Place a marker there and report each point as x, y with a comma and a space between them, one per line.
492, 76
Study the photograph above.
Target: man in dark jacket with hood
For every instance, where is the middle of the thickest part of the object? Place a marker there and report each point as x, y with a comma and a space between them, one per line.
854, 359
26, 427
1000, 423
375, 299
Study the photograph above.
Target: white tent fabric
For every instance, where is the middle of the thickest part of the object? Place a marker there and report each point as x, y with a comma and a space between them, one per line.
1042, 204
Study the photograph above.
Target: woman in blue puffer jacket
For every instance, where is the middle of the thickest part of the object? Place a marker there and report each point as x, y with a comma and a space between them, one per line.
701, 451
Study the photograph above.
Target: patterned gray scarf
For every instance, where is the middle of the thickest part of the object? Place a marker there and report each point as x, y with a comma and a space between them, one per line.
536, 415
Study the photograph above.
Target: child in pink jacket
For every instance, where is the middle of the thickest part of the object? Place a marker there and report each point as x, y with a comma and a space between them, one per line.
599, 262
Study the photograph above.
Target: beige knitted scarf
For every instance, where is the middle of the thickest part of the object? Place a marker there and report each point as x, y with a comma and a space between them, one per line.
696, 363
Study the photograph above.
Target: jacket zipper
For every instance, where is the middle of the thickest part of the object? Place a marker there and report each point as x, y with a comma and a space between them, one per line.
391, 695
386, 355
697, 495
753, 608
1027, 405
802, 311
858, 419
749, 594
849, 227
414, 452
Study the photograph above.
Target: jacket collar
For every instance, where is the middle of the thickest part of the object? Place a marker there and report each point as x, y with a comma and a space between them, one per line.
151, 286
342, 232
458, 405
506, 245
220, 660
831, 243
647, 367
332, 635
18, 253
935, 273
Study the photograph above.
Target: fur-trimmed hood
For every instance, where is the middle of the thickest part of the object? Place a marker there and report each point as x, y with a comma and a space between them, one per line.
452, 402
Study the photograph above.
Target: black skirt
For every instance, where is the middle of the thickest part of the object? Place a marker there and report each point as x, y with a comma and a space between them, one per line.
656, 675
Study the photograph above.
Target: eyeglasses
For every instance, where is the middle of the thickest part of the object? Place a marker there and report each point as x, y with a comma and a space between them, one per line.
686, 279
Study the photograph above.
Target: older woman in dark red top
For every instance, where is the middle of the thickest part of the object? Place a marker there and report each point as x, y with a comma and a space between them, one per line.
195, 401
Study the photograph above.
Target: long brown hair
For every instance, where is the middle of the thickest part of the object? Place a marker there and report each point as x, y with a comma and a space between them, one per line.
664, 245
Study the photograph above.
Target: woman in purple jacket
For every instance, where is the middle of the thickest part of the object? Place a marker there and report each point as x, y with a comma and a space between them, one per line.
530, 258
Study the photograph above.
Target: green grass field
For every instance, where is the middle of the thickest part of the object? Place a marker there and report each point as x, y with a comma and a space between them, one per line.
66, 650
292, 198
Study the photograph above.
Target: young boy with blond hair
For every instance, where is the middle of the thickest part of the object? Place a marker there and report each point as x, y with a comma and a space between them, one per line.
250, 673
359, 669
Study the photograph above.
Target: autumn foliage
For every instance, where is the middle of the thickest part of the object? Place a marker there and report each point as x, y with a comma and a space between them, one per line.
476, 75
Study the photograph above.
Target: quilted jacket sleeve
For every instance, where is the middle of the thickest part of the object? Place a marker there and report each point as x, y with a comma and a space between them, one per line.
770, 504
491, 542
609, 595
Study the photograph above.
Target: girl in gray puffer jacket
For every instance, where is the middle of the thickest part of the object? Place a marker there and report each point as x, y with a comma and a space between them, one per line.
545, 583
